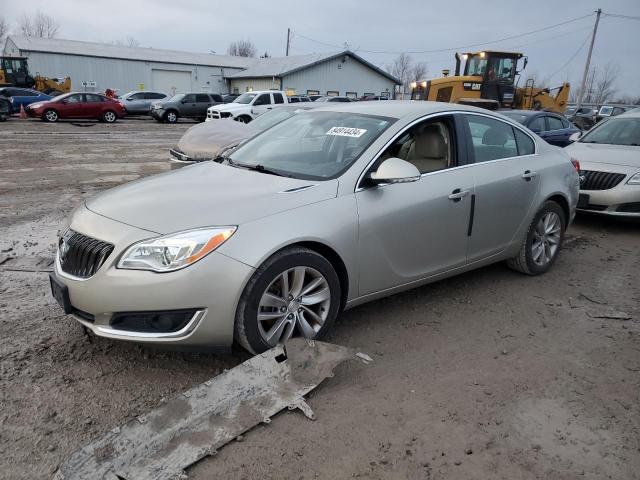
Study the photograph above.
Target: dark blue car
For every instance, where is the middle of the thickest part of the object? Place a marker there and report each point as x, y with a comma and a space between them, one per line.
552, 127
23, 96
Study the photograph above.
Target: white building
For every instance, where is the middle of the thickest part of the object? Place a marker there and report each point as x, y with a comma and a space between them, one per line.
98, 66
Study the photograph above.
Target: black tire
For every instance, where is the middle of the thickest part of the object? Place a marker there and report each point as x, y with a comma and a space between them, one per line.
109, 116
247, 332
524, 261
50, 115
171, 116
3, 117
244, 119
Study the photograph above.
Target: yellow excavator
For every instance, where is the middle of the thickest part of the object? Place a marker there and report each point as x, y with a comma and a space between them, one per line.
489, 81
14, 72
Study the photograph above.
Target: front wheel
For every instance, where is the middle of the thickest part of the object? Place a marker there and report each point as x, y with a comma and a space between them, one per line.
243, 119
295, 292
171, 117
50, 116
109, 116
543, 242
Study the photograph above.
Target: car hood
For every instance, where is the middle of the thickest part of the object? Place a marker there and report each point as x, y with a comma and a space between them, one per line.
231, 107
627, 155
206, 194
210, 139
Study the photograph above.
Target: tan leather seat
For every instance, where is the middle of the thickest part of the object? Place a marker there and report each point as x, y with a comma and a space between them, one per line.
428, 151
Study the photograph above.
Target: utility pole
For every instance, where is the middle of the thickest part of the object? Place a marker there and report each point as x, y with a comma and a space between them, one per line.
586, 67
288, 41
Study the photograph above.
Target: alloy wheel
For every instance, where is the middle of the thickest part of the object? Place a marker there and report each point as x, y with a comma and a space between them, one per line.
298, 299
51, 116
109, 117
546, 238
171, 117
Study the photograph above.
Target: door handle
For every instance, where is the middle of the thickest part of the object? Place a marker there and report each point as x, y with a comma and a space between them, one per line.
528, 175
458, 194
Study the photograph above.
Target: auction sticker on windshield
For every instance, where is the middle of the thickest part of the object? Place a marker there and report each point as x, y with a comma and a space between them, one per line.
347, 132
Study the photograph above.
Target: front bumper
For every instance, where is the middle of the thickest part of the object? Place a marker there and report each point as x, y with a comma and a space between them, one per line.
211, 286
158, 114
621, 201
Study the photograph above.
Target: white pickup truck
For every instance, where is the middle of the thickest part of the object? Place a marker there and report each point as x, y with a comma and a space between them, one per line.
248, 106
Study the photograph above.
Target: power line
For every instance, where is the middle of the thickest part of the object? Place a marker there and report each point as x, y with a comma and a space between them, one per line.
582, 45
461, 47
616, 15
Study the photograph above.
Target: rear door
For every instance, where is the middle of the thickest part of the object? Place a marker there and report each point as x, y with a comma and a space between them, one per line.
203, 101
506, 183
557, 133
136, 103
93, 106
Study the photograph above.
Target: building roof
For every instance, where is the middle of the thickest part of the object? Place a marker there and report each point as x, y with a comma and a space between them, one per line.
281, 66
105, 50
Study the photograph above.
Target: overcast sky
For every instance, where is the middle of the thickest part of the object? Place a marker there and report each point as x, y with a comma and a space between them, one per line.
372, 25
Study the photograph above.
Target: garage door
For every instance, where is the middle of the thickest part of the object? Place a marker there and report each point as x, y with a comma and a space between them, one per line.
171, 81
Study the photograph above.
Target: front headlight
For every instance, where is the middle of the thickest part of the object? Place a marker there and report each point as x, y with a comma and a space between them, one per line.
174, 251
634, 180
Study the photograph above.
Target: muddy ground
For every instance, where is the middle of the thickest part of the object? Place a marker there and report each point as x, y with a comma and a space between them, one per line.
487, 375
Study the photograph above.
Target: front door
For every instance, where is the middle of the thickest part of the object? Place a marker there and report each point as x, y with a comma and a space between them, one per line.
506, 183
261, 104
410, 231
71, 106
189, 105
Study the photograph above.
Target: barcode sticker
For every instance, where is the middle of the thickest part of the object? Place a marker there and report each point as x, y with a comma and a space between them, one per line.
347, 132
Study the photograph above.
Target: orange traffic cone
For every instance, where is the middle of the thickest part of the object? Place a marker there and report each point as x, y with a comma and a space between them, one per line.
23, 114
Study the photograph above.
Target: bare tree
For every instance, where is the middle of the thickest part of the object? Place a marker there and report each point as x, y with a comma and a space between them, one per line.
401, 69
419, 71
4, 29
242, 48
38, 25
603, 88
127, 42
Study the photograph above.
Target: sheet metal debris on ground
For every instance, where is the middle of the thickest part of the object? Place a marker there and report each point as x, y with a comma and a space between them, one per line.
161, 444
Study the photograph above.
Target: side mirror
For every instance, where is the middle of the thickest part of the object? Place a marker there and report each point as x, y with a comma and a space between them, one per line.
128, 99
575, 136
395, 170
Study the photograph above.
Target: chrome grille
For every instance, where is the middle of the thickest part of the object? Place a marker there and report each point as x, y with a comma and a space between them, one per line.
594, 180
80, 255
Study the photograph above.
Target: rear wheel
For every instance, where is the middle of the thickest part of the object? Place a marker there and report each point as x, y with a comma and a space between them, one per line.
295, 292
543, 242
171, 116
50, 116
109, 116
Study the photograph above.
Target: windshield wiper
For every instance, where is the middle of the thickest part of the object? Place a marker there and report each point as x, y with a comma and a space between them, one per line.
256, 168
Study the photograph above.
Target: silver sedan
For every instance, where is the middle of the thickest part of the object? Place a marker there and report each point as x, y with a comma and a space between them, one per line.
326, 210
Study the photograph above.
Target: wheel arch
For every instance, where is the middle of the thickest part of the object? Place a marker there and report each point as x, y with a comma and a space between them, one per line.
561, 200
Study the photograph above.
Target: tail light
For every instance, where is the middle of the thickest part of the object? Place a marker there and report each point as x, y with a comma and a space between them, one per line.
576, 164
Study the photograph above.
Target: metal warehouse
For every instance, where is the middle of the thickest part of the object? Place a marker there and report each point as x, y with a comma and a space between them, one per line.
98, 66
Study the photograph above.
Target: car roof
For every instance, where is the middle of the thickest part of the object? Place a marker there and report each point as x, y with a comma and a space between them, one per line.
633, 113
400, 108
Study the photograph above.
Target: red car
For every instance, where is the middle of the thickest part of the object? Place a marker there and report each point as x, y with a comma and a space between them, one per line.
78, 105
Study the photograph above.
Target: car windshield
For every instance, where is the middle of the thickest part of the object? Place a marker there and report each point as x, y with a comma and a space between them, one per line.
272, 117
615, 131
518, 117
60, 97
245, 98
177, 98
476, 65
312, 145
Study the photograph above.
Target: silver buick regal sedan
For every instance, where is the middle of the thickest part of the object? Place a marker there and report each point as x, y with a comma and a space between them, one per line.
326, 210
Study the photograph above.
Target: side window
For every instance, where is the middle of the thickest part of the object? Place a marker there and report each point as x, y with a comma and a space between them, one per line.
277, 98
428, 146
74, 99
93, 98
565, 123
294, 100
190, 98
217, 98
526, 146
491, 139
137, 96
263, 99
554, 123
203, 98
154, 96
537, 125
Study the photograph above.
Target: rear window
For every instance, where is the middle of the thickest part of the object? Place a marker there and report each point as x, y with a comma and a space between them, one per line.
217, 98
526, 146
554, 123
277, 98
202, 98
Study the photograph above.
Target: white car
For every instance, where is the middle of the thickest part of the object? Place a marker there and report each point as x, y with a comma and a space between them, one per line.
609, 156
248, 106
